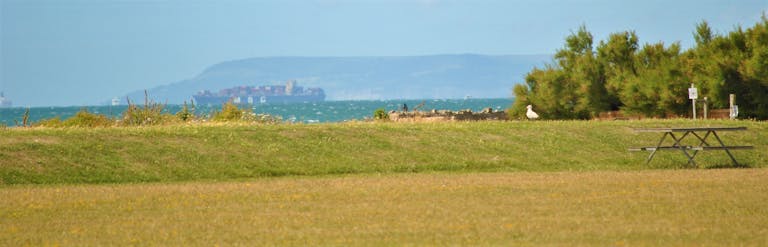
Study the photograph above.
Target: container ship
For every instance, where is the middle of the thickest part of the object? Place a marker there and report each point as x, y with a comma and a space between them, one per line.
288, 93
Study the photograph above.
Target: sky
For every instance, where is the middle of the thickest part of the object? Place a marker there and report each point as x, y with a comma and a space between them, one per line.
84, 52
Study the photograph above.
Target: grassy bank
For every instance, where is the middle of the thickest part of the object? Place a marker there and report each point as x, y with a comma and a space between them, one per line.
223, 152
720, 207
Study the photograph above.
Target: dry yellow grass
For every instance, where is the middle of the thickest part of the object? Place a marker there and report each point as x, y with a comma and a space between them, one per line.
671, 207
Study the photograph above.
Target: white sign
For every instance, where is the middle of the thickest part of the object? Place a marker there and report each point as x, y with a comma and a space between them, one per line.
693, 93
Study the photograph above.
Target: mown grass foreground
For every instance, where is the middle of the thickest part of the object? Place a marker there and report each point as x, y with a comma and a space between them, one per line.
226, 152
719, 207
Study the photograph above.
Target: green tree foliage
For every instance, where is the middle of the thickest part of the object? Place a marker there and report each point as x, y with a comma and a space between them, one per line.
617, 56
652, 79
574, 87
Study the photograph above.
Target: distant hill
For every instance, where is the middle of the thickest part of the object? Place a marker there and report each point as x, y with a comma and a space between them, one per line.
364, 78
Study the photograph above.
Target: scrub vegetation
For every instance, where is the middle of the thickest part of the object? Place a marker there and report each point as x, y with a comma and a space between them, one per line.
154, 114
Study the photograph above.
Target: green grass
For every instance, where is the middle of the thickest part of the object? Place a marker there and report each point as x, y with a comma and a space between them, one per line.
232, 152
694, 207
467, 183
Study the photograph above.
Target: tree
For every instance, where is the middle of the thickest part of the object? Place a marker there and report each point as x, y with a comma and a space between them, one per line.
658, 88
617, 57
703, 34
652, 81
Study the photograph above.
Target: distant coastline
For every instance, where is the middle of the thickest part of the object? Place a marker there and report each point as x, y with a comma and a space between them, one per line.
361, 78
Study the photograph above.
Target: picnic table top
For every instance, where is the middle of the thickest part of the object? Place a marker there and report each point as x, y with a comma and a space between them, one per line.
689, 129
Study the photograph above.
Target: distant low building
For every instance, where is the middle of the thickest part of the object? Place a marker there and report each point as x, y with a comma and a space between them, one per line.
288, 93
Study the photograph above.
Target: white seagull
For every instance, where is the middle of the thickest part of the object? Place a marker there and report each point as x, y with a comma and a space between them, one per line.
530, 114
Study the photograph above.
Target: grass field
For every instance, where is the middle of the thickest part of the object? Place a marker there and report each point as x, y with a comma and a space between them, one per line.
605, 208
232, 152
467, 183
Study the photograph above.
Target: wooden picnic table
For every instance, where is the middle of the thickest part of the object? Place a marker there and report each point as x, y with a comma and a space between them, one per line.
690, 131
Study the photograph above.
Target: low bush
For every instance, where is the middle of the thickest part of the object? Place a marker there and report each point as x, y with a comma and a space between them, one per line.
229, 113
83, 118
380, 114
54, 122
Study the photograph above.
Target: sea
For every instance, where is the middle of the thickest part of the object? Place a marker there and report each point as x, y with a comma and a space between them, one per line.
310, 112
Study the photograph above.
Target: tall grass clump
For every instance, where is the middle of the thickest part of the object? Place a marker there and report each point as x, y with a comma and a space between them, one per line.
151, 113
24, 119
187, 113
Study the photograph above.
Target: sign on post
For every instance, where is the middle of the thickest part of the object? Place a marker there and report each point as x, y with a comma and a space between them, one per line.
693, 94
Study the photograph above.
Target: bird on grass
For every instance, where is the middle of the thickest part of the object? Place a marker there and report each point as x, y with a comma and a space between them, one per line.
530, 113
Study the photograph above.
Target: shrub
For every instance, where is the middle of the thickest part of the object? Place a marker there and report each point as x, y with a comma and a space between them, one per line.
380, 114
186, 114
150, 114
229, 113
232, 113
51, 122
83, 118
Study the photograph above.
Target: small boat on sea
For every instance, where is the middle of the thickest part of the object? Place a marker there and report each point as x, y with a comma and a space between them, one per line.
5, 102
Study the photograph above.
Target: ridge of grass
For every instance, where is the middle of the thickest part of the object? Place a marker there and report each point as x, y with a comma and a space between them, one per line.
236, 151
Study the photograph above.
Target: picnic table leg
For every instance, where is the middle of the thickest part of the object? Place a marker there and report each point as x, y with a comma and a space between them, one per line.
726, 149
703, 141
657, 148
682, 148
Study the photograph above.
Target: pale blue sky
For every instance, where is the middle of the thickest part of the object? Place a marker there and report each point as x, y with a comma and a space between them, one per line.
81, 52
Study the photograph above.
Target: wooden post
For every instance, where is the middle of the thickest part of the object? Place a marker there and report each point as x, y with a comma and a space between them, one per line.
706, 106
694, 108
731, 101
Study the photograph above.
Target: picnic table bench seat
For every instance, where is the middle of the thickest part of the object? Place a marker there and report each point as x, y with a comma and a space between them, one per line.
698, 148
691, 131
